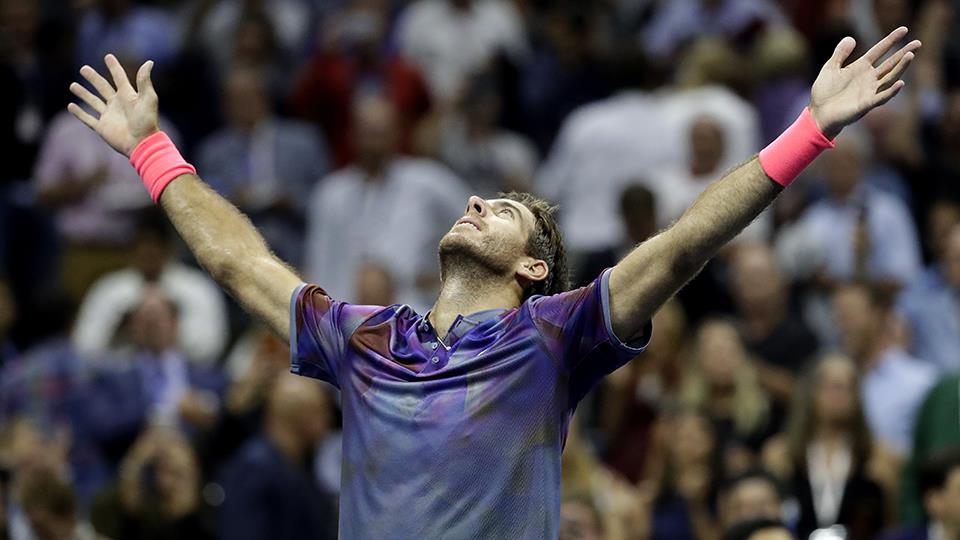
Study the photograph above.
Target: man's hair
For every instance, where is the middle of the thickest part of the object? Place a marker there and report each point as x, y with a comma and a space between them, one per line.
544, 243
936, 469
746, 529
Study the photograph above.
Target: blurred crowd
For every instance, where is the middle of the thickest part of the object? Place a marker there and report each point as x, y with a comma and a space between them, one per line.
806, 384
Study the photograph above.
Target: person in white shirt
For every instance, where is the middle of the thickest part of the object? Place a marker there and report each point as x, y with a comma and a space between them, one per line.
893, 383
384, 209
202, 313
606, 146
450, 39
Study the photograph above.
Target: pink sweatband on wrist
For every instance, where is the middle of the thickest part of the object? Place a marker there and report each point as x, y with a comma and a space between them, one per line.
158, 162
786, 157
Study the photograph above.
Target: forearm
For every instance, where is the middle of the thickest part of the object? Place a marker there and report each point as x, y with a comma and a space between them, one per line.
231, 249
656, 269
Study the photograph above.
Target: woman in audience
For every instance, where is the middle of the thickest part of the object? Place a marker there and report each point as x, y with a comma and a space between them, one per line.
723, 380
828, 451
685, 472
157, 496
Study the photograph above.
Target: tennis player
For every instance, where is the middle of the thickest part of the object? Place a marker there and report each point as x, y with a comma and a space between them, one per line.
454, 420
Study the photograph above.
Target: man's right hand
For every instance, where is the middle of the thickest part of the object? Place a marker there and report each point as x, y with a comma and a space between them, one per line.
124, 116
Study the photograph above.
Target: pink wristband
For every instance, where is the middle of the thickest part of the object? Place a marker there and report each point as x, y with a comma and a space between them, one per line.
158, 162
794, 149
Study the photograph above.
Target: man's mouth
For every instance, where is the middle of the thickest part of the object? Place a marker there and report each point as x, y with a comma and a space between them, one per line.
469, 222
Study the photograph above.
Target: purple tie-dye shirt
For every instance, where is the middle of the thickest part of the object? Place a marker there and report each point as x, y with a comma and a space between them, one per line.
459, 443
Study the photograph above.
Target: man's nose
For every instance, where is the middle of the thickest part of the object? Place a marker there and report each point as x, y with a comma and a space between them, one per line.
477, 205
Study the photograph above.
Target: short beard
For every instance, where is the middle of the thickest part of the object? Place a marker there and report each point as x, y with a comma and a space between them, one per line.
464, 260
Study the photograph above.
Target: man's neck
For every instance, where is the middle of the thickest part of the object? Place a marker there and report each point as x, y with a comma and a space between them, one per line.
466, 294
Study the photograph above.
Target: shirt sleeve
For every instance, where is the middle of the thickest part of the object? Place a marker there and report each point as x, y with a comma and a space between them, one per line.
578, 332
320, 330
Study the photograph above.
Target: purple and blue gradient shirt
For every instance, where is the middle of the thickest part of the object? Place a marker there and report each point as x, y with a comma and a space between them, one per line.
462, 442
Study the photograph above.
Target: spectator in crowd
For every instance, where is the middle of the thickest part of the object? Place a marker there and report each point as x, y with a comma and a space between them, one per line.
687, 473
125, 28
355, 64
859, 231
894, 383
678, 187
202, 313
781, 60
219, 23
490, 159
48, 387
939, 483
632, 397
605, 146
753, 494
827, 451
937, 429
269, 490
94, 193
364, 213
264, 164
580, 520
8, 315
758, 529
157, 496
723, 381
638, 214
778, 338
254, 46
51, 508
681, 21
566, 70
450, 39
595, 497
159, 386
931, 307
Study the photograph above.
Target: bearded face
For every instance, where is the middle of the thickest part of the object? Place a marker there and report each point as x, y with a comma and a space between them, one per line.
491, 238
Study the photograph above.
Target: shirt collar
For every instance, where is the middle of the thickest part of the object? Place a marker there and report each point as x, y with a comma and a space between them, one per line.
462, 324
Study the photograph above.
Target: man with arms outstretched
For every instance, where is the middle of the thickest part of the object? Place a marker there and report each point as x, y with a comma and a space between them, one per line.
454, 421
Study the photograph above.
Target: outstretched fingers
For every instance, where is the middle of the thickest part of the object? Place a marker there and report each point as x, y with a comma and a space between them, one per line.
98, 82
894, 74
886, 95
82, 115
120, 79
88, 97
895, 58
880, 49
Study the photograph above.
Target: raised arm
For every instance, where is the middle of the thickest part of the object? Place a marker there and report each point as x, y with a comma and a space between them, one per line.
656, 269
222, 239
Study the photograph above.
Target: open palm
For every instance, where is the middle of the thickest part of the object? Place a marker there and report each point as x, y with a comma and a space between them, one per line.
123, 115
842, 94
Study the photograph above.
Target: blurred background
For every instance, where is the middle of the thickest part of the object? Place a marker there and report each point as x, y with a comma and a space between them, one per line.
810, 375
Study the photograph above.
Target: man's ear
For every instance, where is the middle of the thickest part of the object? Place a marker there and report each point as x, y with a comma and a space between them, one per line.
533, 269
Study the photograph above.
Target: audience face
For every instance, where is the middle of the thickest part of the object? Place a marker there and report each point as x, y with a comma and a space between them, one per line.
758, 285
857, 319
706, 146
773, 533
944, 504
300, 406
579, 521
177, 474
253, 41
246, 100
842, 168
374, 285
19, 21
691, 440
943, 217
376, 132
638, 210
720, 354
834, 392
951, 258
753, 498
153, 324
150, 255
